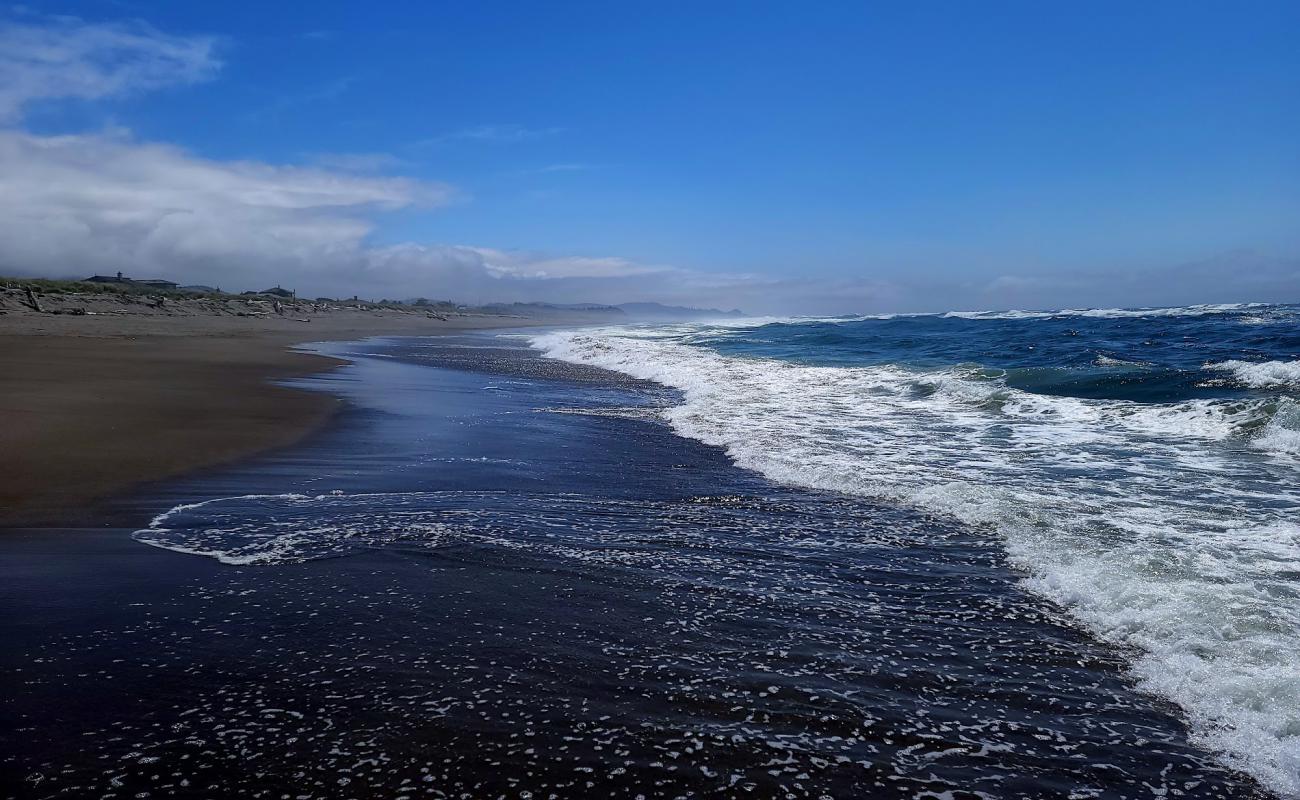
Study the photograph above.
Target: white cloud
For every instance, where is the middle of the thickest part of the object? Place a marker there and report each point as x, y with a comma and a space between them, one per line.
82, 203
492, 133
326, 92
101, 202
357, 162
504, 264
66, 58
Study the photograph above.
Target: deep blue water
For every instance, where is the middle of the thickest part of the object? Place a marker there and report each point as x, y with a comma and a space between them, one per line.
1125, 356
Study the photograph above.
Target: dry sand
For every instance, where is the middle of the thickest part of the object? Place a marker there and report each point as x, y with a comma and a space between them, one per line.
92, 405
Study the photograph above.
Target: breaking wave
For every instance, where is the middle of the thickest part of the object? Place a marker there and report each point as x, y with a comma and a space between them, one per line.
1261, 375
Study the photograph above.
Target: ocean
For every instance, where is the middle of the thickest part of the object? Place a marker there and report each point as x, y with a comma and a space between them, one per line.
1140, 466
990, 555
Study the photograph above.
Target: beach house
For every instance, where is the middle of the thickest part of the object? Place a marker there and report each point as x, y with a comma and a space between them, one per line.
152, 283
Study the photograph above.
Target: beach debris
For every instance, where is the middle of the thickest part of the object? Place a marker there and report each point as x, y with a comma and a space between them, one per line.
32, 301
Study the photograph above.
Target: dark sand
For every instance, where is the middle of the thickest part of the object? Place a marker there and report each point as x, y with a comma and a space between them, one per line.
91, 406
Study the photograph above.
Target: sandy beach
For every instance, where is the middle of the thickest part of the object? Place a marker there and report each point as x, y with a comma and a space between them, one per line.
96, 403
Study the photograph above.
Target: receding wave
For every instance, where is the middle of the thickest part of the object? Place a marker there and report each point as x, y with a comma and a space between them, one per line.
1171, 528
816, 639
259, 529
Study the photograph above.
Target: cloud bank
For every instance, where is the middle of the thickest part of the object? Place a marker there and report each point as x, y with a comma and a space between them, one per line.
104, 202
101, 202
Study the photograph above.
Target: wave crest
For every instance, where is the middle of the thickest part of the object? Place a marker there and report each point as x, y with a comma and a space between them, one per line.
1261, 374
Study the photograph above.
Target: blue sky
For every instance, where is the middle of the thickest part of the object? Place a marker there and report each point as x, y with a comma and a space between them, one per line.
828, 157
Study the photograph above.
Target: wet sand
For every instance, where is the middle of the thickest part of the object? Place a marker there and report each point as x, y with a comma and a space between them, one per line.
91, 406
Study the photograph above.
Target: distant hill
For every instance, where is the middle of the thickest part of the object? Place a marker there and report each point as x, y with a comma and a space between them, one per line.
659, 311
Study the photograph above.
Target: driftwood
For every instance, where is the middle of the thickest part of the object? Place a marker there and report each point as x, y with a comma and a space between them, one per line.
32, 301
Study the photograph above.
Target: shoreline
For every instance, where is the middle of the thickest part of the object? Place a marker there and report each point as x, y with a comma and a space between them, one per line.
96, 406
475, 565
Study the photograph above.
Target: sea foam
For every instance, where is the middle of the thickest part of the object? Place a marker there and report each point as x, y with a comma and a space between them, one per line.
1170, 528
1263, 374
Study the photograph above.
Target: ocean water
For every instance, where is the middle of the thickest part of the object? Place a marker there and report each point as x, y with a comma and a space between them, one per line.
1034, 556
1139, 467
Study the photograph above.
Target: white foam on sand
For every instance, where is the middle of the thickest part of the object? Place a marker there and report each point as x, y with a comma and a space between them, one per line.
1172, 528
264, 529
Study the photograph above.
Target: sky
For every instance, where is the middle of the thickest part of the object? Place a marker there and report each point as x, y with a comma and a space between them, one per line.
826, 158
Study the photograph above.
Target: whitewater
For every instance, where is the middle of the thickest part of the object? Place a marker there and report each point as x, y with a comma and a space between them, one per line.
1141, 467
